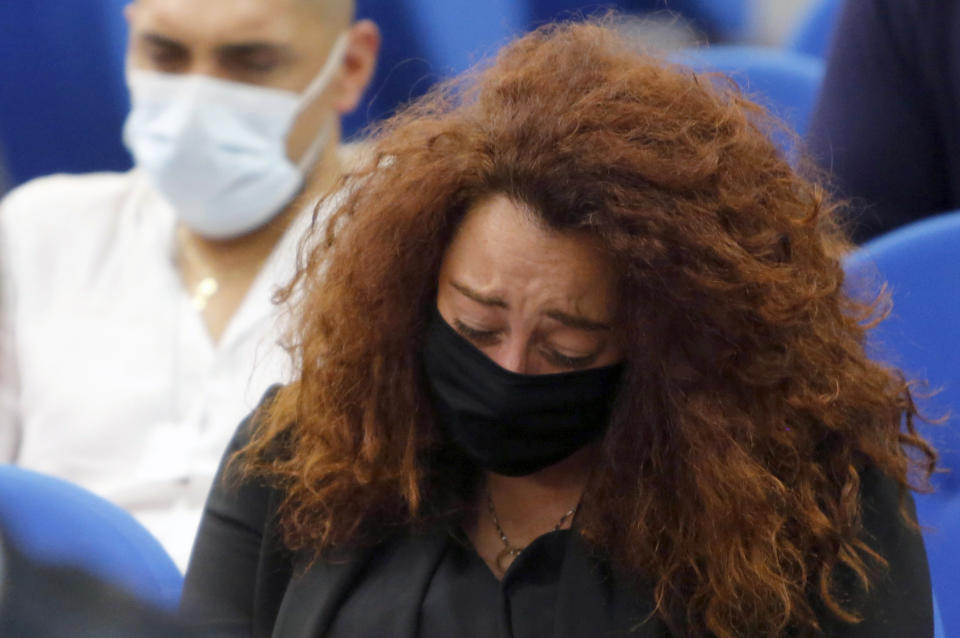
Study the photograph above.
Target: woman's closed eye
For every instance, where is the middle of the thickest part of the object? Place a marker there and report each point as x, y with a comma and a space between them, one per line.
561, 360
556, 357
478, 336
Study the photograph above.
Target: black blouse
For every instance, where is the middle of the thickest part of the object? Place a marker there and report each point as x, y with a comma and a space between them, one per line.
522, 605
242, 582
553, 588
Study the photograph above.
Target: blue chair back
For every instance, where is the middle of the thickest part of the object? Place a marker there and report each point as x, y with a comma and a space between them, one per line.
723, 20
786, 83
938, 630
56, 522
425, 41
919, 263
5, 182
813, 34
62, 95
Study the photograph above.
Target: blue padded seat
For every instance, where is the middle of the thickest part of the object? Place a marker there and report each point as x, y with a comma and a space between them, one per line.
56, 522
786, 83
62, 94
920, 265
813, 34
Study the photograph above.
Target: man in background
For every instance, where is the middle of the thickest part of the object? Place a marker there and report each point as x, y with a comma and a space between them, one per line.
887, 124
136, 322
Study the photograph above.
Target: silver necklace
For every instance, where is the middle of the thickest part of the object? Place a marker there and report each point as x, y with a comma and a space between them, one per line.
510, 550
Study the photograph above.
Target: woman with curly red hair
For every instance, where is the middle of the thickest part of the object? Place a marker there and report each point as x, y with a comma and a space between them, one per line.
575, 360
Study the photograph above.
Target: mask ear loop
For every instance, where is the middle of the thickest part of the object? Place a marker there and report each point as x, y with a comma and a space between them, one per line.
317, 86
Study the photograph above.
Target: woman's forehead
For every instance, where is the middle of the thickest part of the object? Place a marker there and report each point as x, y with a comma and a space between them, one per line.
499, 247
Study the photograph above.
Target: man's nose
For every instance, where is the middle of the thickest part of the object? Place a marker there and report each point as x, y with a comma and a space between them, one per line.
206, 65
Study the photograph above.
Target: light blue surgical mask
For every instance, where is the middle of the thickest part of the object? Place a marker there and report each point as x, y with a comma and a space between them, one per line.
217, 150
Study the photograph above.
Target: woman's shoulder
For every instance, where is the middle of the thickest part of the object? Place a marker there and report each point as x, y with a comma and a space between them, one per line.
883, 502
899, 599
238, 555
237, 492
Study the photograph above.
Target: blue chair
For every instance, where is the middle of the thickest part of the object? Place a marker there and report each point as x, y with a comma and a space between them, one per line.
726, 20
62, 95
786, 83
919, 263
426, 41
5, 182
814, 33
456, 35
938, 630
56, 522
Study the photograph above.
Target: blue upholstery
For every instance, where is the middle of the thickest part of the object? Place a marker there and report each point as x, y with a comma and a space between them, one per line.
813, 34
456, 35
938, 629
54, 521
787, 83
723, 20
921, 266
719, 20
62, 96
5, 180
424, 41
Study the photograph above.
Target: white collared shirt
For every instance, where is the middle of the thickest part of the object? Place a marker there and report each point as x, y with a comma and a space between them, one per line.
108, 376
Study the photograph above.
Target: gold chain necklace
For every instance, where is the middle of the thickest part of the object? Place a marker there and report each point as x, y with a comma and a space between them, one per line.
203, 291
512, 551
208, 285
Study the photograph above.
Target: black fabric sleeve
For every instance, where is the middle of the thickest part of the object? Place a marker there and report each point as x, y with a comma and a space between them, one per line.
237, 572
899, 602
875, 127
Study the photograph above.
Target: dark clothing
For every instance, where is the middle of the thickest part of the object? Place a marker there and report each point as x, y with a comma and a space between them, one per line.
436, 587
242, 583
526, 598
888, 121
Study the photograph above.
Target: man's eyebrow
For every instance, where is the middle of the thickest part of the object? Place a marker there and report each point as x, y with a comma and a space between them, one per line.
162, 40
478, 297
254, 48
580, 323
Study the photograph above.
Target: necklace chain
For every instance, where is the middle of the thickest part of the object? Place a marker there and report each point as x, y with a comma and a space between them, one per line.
189, 257
205, 289
510, 550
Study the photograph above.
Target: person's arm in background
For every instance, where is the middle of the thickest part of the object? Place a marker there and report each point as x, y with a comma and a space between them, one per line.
237, 573
9, 379
875, 126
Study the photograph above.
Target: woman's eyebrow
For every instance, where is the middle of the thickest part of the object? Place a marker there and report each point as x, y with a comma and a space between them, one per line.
574, 321
567, 319
486, 300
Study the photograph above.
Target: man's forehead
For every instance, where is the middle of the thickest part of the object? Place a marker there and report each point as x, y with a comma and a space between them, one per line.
224, 20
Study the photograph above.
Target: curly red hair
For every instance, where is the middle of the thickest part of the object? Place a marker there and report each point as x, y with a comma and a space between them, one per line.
748, 409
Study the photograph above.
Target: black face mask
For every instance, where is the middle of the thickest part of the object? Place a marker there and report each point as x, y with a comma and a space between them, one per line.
509, 423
